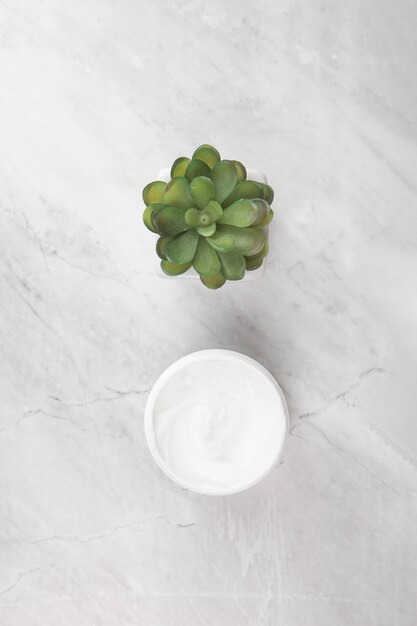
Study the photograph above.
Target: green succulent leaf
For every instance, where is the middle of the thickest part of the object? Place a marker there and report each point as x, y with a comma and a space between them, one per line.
214, 209
224, 177
233, 265
240, 171
262, 253
161, 244
156, 208
196, 168
147, 215
222, 242
245, 213
247, 189
213, 282
174, 269
177, 193
182, 248
170, 221
192, 217
267, 220
208, 154
207, 231
253, 264
206, 262
268, 193
154, 192
202, 190
179, 166
247, 241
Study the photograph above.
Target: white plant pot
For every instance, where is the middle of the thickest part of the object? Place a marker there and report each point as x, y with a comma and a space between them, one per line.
191, 274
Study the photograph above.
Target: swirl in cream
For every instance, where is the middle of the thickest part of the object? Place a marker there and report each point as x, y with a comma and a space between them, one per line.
218, 425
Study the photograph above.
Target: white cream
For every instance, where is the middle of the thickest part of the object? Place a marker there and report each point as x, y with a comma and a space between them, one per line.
218, 425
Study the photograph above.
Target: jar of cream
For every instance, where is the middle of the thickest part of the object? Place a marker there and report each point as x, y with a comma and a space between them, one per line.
216, 422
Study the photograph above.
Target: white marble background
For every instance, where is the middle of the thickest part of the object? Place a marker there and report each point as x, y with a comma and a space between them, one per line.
95, 97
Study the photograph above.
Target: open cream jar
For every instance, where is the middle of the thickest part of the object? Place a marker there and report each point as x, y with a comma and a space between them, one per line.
216, 422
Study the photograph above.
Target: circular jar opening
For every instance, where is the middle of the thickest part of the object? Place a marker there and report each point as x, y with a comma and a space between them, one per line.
216, 422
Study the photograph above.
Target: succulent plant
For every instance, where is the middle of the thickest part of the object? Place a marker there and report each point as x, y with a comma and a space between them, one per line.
209, 216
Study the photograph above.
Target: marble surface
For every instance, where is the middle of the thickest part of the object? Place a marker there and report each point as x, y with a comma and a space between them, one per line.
96, 97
